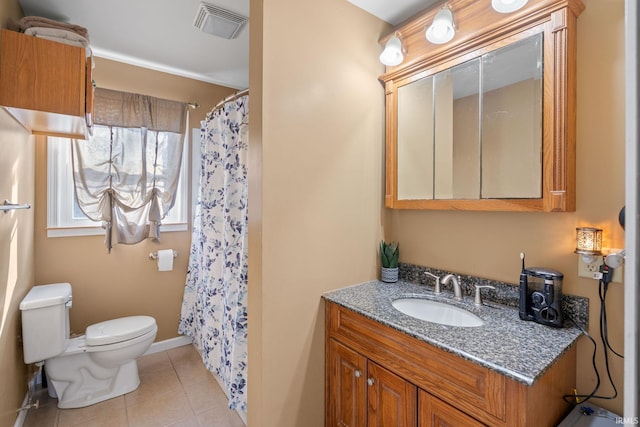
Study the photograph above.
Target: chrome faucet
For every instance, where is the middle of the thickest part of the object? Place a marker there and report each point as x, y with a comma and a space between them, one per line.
436, 289
457, 289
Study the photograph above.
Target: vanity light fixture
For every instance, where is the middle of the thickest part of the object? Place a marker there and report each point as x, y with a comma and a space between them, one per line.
507, 6
393, 53
588, 243
442, 29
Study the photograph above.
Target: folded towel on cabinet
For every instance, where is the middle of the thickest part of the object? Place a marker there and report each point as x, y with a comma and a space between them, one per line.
61, 36
41, 22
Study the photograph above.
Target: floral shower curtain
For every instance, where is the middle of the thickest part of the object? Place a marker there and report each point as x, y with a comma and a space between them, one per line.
214, 308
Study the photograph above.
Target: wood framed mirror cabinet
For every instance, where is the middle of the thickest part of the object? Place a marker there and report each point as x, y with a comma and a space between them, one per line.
485, 121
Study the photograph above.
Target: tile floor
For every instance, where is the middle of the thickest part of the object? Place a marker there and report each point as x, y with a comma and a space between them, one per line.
175, 390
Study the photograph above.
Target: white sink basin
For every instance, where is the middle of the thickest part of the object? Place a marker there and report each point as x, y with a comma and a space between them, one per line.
436, 312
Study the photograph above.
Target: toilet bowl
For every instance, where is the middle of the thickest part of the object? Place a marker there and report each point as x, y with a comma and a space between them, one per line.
86, 374
90, 368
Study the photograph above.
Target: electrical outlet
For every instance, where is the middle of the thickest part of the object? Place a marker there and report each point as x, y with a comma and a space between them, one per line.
592, 270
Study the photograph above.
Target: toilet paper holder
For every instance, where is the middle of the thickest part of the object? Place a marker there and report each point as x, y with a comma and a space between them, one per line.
154, 255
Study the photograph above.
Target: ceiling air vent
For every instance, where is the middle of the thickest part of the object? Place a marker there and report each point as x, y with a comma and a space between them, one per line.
218, 21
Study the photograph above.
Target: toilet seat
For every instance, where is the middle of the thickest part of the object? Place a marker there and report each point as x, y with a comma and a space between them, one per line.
118, 330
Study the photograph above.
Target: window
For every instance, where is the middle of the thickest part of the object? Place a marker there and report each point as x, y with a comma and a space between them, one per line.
64, 217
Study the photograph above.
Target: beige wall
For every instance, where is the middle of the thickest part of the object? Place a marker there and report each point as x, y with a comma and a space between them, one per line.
124, 282
488, 244
16, 258
16, 247
315, 207
255, 294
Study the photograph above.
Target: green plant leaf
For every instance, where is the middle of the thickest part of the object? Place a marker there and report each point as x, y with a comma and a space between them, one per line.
389, 254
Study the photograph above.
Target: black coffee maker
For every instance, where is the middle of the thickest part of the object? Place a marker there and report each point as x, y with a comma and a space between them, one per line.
541, 295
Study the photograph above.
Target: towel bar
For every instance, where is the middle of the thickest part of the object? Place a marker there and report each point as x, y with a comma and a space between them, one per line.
8, 206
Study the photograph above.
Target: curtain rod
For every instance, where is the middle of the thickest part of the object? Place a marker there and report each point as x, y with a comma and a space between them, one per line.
191, 104
232, 97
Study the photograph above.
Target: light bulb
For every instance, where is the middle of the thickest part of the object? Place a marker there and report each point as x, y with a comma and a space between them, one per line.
442, 29
439, 30
507, 6
392, 54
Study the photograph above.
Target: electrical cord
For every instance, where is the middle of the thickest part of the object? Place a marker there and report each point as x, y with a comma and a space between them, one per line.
575, 398
603, 286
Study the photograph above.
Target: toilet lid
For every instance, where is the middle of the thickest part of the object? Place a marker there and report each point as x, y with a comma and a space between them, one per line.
117, 330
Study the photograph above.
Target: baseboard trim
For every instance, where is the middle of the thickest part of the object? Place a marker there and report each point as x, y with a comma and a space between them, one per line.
22, 415
165, 345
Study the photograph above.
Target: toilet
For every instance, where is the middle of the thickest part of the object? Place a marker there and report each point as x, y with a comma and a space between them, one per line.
84, 370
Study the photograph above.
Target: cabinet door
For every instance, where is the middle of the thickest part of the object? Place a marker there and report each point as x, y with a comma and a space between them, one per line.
42, 75
347, 391
391, 399
435, 413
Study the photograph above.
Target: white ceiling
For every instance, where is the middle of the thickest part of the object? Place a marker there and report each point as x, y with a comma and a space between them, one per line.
159, 34
395, 11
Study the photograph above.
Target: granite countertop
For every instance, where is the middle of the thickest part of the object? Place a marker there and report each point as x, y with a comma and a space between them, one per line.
519, 349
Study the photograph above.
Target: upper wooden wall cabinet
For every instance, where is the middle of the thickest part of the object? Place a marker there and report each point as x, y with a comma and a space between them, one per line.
46, 85
456, 142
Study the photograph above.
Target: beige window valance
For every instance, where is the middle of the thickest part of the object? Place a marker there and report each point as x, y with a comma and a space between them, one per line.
131, 110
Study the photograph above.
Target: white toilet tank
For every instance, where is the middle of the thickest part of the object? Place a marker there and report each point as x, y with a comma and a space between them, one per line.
45, 321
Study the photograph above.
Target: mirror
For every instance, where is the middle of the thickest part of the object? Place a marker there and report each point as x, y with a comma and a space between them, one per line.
457, 152
474, 131
415, 130
485, 121
512, 120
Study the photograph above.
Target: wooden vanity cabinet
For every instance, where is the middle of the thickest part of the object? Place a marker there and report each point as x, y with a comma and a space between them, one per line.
364, 393
346, 390
378, 376
46, 85
436, 413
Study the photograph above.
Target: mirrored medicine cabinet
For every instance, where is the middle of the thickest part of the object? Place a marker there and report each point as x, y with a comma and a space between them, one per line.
486, 121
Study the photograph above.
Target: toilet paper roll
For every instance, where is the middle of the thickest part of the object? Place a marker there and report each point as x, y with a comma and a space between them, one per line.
165, 260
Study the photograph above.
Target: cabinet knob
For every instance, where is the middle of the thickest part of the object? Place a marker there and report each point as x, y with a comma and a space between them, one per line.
358, 374
370, 381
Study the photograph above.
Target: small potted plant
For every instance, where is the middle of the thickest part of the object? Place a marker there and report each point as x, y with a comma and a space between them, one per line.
389, 254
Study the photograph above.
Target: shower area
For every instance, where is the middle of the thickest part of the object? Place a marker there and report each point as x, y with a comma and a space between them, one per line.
214, 306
